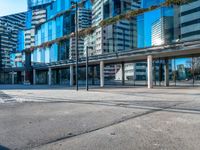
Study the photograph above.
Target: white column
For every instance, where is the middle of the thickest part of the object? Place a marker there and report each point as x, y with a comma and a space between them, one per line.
13, 77
150, 72
166, 72
49, 74
101, 74
71, 75
34, 77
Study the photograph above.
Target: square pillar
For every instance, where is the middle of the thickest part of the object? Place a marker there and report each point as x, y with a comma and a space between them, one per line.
93, 75
58, 76
34, 77
13, 77
150, 72
71, 75
24, 76
123, 73
166, 72
101, 74
49, 76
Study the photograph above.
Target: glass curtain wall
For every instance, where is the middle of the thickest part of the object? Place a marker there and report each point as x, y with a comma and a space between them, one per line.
41, 77
185, 72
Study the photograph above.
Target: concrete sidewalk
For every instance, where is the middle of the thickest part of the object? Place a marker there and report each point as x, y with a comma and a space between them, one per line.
101, 119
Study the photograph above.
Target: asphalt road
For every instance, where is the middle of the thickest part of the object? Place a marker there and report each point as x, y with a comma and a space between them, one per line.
103, 119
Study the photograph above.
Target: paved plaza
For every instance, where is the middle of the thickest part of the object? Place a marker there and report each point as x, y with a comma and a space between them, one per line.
110, 118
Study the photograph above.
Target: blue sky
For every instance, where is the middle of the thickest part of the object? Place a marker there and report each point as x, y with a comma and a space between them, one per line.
8, 7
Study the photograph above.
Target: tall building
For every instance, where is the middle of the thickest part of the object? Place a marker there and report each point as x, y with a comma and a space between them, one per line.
162, 31
190, 20
37, 14
21, 59
118, 37
159, 20
38, 3
154, 28
10, 27
84, 21
113, 38
57, 26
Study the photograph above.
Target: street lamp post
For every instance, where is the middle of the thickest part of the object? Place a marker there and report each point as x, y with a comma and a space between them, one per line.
76, 3
76, 45
0, 53
0, 60
87, 87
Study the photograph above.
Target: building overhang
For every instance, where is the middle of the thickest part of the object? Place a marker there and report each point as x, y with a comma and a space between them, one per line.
178, 50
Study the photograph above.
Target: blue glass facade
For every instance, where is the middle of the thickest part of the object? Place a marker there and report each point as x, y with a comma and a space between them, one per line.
57, 7
37, 3
149, 3
53, 29
146, 20
20, 41
28, 19
49, 31
16, 59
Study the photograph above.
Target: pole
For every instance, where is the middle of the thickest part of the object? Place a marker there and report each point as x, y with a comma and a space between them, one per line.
87, 88
175, 70
123, 76
154, 69
76, 3
193, 70
1, 66
160, 72
0, 54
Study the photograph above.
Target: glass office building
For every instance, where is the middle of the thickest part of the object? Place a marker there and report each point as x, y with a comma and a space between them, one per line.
190, 21
53, 29
10, 28
11, 40
38, 3
49, 21
148, 22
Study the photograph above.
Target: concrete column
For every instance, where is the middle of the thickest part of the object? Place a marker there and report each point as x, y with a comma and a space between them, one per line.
71, 75
93, 82
150, 73
34, 77
166, 72
13, 77
49, 75
24, 76
123, 74
57, 76
101, 74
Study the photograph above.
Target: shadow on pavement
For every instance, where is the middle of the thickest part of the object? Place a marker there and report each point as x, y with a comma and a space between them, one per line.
175, 106
5, 98
3, 148
33, 87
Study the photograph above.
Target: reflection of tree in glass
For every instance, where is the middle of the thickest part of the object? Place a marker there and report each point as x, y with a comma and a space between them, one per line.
194, 64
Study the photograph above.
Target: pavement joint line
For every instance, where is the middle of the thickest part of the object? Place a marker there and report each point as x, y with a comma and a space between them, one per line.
136, 94
91, 102
183, 111
71, 99
105, 103
122, 120
111, 104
